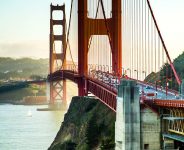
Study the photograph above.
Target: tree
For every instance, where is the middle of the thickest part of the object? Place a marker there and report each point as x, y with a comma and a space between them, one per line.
68, 145
92, 132
107, 144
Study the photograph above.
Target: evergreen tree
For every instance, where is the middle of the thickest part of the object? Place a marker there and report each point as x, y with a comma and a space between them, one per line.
92, 132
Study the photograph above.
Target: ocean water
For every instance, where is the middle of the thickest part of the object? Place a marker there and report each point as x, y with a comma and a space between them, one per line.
21, 131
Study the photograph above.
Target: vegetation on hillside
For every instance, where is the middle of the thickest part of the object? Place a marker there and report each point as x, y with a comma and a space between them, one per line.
18, 90
166, 74
22, 68
14, 73
85, 127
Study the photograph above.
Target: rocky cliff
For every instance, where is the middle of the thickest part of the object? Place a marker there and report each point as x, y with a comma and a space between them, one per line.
87, 125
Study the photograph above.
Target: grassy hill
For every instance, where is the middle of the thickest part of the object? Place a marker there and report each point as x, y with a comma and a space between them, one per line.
22, 68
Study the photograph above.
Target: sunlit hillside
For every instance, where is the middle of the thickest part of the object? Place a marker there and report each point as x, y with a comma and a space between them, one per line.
17, 69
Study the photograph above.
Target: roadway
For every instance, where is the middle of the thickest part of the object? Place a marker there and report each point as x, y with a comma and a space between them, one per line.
147, 90
158, 94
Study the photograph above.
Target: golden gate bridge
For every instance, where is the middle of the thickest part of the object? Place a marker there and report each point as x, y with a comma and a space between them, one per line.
104, 42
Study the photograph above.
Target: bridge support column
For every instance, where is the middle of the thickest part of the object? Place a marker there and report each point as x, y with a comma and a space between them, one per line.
57, 88
81, 87
64, 99
58, 91
127, 126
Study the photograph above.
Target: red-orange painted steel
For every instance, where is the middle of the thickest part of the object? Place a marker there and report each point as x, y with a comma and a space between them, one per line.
84, 33
169, 103
55, 56
107, 94
104, 93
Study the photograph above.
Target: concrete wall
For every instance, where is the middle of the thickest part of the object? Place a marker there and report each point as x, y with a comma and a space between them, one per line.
127, 126
150, 129
135, 129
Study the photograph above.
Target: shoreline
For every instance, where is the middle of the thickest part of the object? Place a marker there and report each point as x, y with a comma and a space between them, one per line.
20, 102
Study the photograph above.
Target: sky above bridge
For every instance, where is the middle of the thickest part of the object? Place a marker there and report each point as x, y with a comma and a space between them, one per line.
24, 26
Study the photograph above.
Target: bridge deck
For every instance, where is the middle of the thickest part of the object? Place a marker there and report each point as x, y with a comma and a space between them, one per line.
174, 137
109, 89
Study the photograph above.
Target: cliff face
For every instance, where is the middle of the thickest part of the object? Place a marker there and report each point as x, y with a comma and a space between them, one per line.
88, 124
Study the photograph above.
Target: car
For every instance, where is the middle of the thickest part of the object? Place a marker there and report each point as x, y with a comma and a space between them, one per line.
177, 97
147, 87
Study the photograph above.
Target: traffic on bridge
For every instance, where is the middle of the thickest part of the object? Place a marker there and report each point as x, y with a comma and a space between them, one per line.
101, 40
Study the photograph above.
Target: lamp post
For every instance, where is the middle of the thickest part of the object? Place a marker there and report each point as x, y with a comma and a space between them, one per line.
104, 69
137, 73
111, 71
130, 72
167, 85
144, 74
96, 67
156, 85
107, 68
123, 70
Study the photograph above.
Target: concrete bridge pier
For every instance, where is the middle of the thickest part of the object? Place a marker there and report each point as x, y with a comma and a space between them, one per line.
127, 126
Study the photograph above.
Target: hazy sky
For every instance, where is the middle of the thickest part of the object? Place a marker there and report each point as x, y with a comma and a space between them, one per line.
24, 26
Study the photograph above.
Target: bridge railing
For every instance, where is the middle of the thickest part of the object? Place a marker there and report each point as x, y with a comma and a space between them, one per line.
104, 75
72, 67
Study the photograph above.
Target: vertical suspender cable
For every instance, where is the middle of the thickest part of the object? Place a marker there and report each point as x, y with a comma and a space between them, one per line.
124, 29
105, 44
137, 31
158, 55
131, 41
96, 37
88, 32
128, 30
152, 54
142, 40
133, 23
163, 56
155, 50
134, 54
145, 39
148, 44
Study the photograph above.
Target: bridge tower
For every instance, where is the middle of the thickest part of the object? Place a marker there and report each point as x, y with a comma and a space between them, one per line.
107, 26
57, 60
